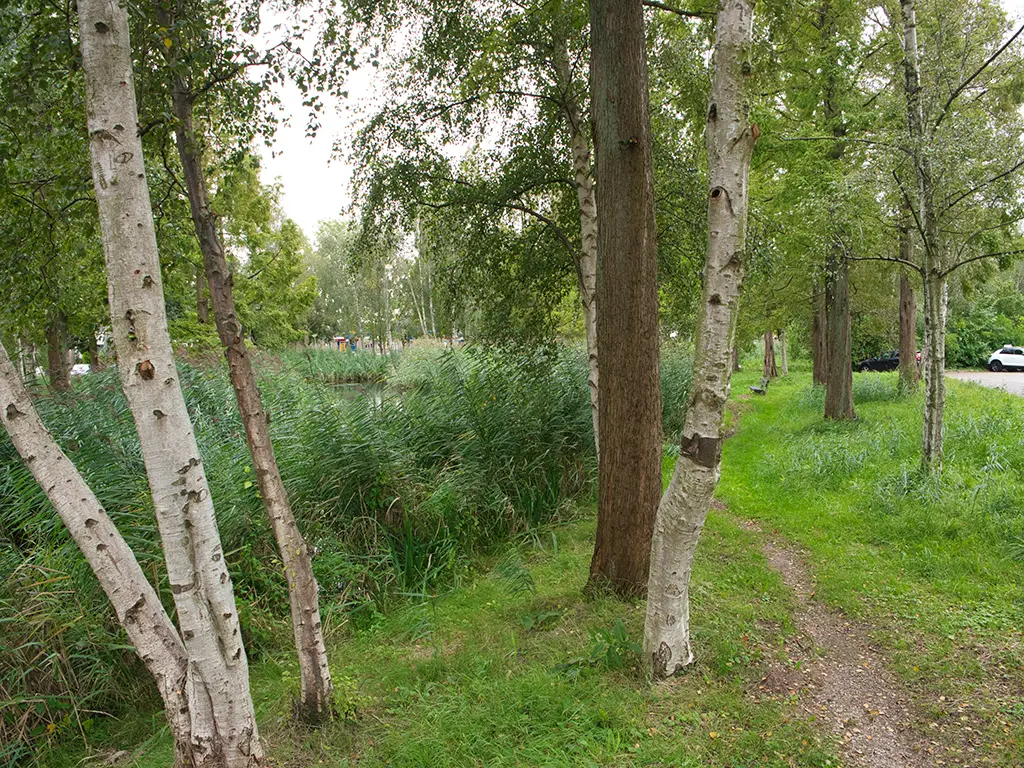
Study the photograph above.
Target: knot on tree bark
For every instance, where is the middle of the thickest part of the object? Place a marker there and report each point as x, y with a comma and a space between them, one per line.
705, 451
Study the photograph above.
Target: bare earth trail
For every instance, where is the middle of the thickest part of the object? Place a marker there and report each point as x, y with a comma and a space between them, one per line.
833, 672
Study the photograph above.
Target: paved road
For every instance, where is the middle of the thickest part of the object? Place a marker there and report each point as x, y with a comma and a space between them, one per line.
1006, 381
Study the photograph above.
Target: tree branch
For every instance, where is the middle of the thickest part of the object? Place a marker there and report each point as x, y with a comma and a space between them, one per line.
870, 142
893, 259
960, 88
678, 11
947, 272
972, 190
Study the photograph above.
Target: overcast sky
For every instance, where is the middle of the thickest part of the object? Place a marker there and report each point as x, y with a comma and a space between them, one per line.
315, 186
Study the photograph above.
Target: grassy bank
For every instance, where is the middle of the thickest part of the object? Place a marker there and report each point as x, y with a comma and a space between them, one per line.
936, 567
507, 664
517, 670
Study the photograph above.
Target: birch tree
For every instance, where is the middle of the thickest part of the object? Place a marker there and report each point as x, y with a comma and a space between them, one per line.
303, 593
936, 119
730, 139
136, 604
224, 730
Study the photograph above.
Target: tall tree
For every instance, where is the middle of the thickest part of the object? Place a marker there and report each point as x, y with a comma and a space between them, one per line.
315, 695
941, 121
223, 722
683, 509
908, 318
629, 474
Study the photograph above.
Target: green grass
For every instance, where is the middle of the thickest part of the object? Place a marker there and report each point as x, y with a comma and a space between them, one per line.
466, 678
508, 664
935, 566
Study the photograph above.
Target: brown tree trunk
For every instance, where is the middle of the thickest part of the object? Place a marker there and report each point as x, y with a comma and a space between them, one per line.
908, 333
315, 698
771, 371
839, 382
202, 297
684, 507
735, 358
819, 349
629, 477
56, 353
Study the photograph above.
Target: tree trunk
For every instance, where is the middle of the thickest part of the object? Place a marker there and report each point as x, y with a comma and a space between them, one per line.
684, 507
839, 381
586, 259
735, 358
224, 731
908, 328
770, 369
783, 352
56, 352
416, 305
387, 310
430, 301
135, 603
934, 276
315, 699
202, 299
935, 299
819, 349
627, 291
96, 362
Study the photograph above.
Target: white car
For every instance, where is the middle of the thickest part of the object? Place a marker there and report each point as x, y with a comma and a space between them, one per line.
1007, 359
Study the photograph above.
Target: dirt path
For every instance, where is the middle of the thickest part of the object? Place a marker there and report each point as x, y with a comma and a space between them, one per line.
838, 677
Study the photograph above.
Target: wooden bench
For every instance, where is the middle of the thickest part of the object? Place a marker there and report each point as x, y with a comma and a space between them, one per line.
761, 390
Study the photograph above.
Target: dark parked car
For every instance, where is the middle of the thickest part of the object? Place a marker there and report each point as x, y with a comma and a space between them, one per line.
889, 361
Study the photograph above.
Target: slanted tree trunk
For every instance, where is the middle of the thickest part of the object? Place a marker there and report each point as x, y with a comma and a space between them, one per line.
135, 603
586, 259
314, 704
684, 507
783, 353
629, 421
819, 349
56, 352
934, 290
908, 329
771, 371
839, 381
224, 731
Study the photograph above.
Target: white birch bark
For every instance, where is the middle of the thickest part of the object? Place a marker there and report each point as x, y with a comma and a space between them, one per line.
223, 724
934, 289
135, 602
684, 506
586, 259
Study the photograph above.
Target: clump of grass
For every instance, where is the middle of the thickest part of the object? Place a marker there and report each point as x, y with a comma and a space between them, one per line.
676, 376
